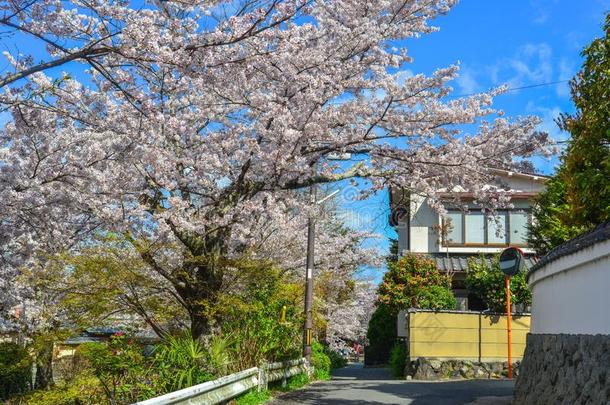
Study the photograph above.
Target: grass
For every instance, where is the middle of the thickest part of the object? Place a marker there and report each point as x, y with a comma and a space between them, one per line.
322, 375
260, 397
297, 381
253, 398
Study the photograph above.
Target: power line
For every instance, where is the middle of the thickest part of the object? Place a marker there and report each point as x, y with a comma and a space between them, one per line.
538, 85
530, 86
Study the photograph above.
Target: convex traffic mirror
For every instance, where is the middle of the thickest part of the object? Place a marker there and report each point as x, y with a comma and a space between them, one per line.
511, 261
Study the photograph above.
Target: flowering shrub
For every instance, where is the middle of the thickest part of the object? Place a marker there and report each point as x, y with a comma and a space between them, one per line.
415, 282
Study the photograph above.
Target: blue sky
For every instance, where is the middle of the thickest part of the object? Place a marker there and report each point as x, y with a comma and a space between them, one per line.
519, 43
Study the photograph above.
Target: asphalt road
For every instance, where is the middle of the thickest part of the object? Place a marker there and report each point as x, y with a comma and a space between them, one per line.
356, 385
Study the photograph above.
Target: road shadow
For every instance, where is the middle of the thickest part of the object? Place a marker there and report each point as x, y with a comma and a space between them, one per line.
357, 385
357, 371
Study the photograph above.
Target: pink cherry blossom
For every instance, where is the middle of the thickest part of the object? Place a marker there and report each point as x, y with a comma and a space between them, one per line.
201, 123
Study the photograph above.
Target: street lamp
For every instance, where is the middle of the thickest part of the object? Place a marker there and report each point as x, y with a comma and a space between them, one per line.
309, 264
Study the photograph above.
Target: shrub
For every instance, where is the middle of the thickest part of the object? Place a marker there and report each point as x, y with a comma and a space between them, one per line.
257, 335
320, 361
397, 359
252, 324
487, 282
297, 381
121, 369
183, 362
336, 359
381, 336
415, 282
15, 369
84, 389
411, 281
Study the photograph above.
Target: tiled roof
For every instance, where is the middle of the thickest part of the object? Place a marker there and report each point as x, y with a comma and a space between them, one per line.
99, 334
457, 263
598, 234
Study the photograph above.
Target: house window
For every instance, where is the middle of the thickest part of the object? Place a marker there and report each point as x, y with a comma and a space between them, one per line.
475, 228
496, 229
455, 229
519, 222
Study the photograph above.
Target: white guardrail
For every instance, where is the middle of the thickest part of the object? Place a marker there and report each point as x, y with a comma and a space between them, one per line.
230, 386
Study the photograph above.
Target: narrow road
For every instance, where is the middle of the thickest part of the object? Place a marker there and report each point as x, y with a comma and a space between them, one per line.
357, 385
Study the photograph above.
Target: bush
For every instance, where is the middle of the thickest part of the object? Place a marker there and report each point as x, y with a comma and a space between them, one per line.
320, 361
83, 389
183, 362
398, 359
415, 282
487, 282
251, 321
336, 359
381, 336
15, 370
121, 369
297, 381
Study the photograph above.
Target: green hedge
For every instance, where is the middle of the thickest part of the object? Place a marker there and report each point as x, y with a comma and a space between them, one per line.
15, 370
320, 361
397, 359
381, 336
336, 359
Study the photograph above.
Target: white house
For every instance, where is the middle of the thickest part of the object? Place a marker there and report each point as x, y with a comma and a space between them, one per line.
467, 232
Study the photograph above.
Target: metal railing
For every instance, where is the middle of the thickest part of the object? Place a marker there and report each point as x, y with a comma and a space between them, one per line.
230, 386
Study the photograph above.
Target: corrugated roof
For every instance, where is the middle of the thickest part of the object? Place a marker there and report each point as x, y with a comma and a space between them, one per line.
599, 234
457, 263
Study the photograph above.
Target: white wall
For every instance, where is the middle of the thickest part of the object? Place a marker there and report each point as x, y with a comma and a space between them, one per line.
517, 182
572, 294
423, 218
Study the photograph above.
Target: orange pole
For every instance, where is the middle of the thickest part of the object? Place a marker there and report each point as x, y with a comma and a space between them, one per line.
508, 316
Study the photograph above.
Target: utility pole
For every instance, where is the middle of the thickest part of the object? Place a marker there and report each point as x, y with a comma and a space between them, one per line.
309, 267
309, 264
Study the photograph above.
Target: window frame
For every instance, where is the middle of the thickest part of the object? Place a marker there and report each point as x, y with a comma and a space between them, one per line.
505, 212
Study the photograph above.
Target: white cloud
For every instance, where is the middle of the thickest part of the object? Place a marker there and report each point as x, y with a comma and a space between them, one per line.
567, 70
575, 40
531, 64
467, 81
541, 10
548, 115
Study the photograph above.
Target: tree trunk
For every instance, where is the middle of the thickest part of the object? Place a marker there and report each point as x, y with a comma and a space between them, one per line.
200, 291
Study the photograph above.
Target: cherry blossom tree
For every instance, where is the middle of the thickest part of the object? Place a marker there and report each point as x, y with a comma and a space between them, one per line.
348, 320
200, 124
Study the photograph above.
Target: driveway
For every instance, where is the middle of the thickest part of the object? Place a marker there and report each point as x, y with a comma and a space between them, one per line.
357, 385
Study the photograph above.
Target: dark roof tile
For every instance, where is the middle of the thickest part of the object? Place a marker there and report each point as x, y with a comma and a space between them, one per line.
599, 234
459, 263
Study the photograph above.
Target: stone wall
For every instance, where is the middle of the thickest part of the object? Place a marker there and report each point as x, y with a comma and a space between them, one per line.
564, 369
435, 369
